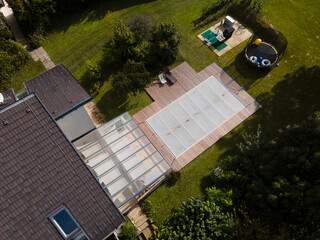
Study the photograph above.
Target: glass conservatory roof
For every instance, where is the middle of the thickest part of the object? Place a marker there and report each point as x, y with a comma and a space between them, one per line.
122, 158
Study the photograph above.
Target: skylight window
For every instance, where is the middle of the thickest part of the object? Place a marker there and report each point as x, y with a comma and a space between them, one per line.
67, 225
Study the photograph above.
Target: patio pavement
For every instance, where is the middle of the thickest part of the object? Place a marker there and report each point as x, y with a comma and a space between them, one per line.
239, 35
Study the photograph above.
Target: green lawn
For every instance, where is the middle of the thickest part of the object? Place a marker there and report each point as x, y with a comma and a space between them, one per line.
289, 93
29, 70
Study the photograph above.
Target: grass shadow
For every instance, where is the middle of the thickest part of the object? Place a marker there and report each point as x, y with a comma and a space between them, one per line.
247, 72
89, 10
292, 100
112, 104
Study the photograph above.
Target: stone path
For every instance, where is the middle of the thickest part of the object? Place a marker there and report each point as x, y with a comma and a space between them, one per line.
143, 224
42, 55
13, 23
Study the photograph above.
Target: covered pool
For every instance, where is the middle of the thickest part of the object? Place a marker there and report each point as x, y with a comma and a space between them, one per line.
191, 117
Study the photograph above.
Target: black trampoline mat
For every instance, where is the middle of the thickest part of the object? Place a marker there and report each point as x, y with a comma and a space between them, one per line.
264, 50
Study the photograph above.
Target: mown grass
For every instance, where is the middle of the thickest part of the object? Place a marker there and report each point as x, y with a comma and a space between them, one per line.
29, 70
289, 93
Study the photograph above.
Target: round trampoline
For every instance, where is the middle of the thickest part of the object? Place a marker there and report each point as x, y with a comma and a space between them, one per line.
266, 53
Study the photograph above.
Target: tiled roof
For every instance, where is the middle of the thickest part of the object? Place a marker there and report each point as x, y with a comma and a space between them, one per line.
40, 171
58, 90
9, 97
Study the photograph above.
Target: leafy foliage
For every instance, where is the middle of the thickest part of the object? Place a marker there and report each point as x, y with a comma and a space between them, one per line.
133, 77
157, 47
173, 177
165, 43
93, 70
12, 57
128, 231
278, 180
4, 29
147, 208
122, 43
141, 26
199, 218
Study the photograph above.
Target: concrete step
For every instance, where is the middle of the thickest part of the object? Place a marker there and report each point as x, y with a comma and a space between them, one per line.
144, 226
135, 212
142, 219
147, 233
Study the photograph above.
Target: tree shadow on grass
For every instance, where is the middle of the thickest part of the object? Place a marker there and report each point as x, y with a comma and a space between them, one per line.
291, 100
112, 104
90, 10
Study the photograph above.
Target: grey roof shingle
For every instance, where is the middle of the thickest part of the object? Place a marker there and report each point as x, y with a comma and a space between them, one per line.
58, 90
40, 171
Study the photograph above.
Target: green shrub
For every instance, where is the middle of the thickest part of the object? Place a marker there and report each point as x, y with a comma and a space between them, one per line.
93, 70
4, 29
214, 6
147, 208
12, 57
172, 178
253, 5
35, 39
196, 218
128, 231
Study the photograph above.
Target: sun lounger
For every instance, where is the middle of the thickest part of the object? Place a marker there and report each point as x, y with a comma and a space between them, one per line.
168, 75
162, 79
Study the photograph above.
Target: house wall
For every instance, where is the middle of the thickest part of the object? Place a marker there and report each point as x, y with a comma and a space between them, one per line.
76, 123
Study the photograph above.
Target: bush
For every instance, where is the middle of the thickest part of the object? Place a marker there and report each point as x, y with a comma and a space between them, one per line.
147, 208
35, 39
128, 231
253, 5
12, 57
93, 70
4, 29
214, 6
197, 218
173, 177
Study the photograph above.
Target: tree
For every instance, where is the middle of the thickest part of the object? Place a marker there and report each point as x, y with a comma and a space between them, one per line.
199, 218
165, 40
278, 180
141, 26
132, 78
122, 43
12, 57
